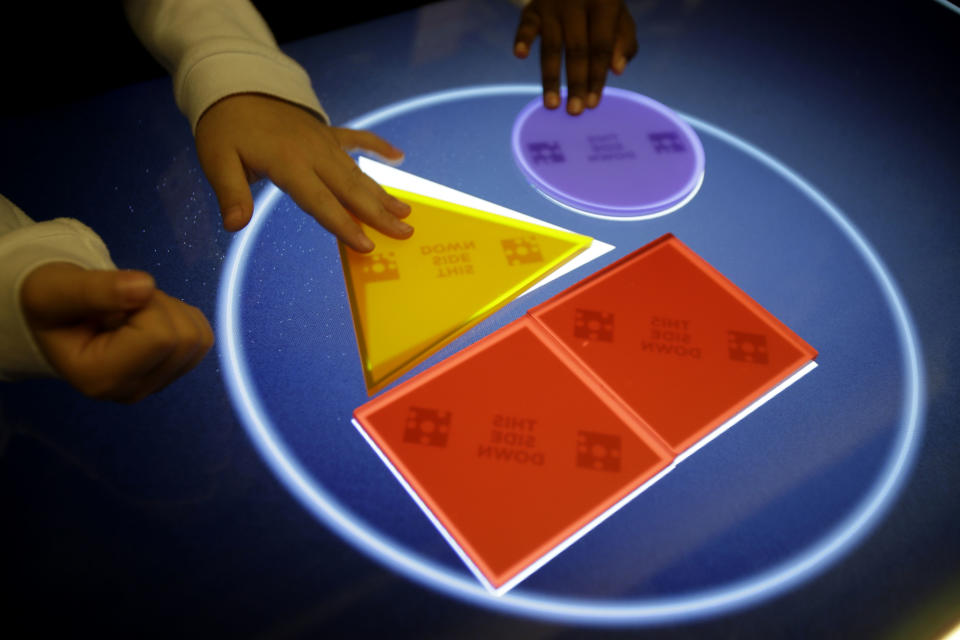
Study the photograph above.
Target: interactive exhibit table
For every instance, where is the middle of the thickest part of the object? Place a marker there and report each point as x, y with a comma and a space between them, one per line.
659, 364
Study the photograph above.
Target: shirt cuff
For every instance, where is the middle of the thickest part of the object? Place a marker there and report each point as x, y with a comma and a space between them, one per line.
228, 66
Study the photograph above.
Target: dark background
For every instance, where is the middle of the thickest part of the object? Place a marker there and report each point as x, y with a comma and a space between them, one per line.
57, 53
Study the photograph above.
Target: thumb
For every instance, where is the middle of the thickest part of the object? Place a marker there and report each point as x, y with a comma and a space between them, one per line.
353, 139
61, 293
228, 178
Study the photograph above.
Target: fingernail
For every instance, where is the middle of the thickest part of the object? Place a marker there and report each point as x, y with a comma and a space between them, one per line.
619, 64
592, 100
552, 100
233, 217
404, 228
134, 286
398, 207
521, 50
364, 244
575, 105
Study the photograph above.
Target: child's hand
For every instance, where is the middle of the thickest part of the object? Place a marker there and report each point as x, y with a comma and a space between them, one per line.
112, 334
594, 35
245, 137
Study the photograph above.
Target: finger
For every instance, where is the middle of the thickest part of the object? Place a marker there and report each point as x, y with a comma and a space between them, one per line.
353, 139
356, 139
158, 345
312, 195
112, 365
60, 293
229, 180
111, 321
603, 31
190, 348
367, 200
551, 55
350, 139
206, 340
625, 47
206, 329
527, 32
577, 54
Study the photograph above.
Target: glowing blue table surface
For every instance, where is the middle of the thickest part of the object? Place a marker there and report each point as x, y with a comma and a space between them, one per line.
241, 500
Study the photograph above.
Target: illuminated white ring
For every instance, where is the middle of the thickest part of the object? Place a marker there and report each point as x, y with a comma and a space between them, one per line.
949, 5
690, 606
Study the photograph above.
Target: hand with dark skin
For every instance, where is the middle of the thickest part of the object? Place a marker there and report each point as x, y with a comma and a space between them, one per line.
245, 137
593, 36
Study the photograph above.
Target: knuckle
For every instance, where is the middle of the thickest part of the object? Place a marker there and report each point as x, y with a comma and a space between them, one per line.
373, 213
577, 51
204, 337
355, 177
190, 342
551, 51
85, 288
603, 50
289, 156
368, 139
200, 342
163, 341
206, 333
104, 386
551, 74
207, 341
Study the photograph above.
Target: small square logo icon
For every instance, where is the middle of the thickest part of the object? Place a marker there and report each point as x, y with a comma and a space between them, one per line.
521, 250
427, 427
598, 451
747, 347
546, 153
379, 267
593, 325
666, 142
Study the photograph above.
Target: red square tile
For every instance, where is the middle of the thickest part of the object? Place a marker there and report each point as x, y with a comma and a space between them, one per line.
510, 449
675, 340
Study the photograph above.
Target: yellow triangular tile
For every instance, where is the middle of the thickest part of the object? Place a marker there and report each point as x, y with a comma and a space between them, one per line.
411, 297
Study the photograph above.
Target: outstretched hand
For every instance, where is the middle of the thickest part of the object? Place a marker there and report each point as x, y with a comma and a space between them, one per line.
112, 334
245, 137
593, 36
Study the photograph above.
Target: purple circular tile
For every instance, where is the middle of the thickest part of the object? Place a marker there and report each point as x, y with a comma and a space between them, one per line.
629, 158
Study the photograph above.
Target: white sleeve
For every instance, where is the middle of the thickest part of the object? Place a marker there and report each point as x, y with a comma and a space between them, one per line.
217, 48
24, 246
